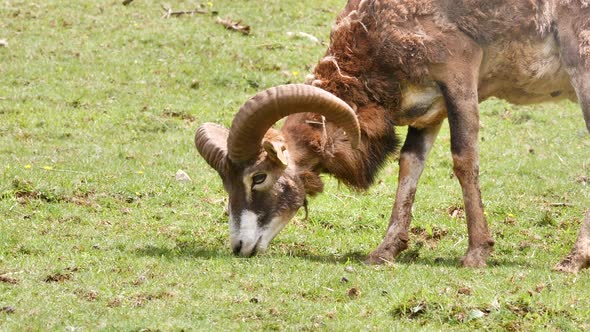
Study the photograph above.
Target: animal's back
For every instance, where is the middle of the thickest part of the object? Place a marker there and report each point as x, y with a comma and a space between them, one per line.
521, 63
487, 21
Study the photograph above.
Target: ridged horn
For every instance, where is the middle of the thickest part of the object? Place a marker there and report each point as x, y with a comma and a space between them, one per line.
211, 141
267, 107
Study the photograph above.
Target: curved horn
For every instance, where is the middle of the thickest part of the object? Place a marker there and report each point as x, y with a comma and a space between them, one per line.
263, 110
211, 141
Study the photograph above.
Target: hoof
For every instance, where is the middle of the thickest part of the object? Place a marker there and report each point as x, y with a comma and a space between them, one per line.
386, 253
376, 258
573, 263
476, 257
474, 262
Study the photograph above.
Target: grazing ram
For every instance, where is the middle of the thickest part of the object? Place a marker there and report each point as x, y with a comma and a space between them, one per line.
398, 63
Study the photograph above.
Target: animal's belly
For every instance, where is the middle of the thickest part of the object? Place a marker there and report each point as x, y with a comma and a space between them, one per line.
521, 72
524, 72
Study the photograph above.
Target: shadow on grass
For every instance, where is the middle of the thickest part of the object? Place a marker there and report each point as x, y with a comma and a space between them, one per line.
413, 257
410, 257
354, 256
196, 250
189, 250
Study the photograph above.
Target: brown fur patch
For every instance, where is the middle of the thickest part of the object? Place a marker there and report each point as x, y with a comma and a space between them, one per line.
374, 121
317, 148
585, 44
489, 20
359, 167
311, 182
574, 31
582, 3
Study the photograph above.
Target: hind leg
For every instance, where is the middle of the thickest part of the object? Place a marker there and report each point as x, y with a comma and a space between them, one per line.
579, 257
574, 40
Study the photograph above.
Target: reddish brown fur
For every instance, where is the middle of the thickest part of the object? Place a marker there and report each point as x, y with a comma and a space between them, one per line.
379, 48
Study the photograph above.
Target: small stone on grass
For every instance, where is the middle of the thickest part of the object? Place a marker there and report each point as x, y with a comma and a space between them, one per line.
354, 292
8, 309
181, 176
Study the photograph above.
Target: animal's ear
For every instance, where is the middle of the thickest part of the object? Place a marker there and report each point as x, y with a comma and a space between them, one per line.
277, 152
211, 141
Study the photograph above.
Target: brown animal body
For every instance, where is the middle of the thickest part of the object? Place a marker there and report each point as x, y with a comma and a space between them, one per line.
399, 63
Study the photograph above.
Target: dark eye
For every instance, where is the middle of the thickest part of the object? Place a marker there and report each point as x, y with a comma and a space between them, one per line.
258, 178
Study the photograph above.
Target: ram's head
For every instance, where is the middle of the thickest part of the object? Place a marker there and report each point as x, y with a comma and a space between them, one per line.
254, 161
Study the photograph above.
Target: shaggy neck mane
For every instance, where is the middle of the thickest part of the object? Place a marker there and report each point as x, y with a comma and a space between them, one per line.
350, 71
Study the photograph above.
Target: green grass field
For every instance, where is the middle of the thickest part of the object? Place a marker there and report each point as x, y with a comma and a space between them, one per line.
99, 103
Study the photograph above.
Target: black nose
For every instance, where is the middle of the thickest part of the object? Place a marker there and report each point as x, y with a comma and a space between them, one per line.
237, 248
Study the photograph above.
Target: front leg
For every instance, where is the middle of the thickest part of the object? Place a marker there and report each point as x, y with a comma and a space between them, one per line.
411, 163
460, 91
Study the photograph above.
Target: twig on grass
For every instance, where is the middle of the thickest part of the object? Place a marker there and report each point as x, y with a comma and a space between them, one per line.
235, 26
271, 46
301, 34
50, 169
168, 12
338, 198
561, 204
6, 279
583, 179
